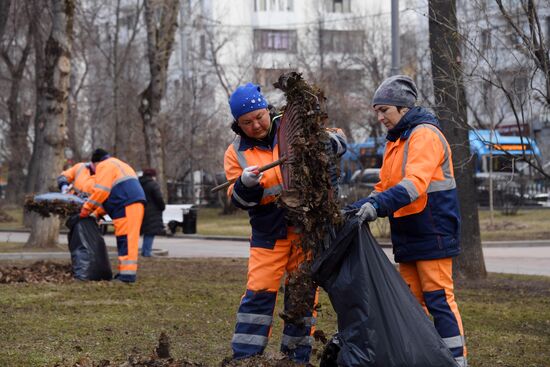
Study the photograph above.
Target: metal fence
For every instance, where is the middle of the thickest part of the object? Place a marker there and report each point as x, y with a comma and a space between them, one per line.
509, 195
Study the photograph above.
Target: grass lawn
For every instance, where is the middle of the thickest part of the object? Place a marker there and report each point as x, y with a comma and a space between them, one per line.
533, 224
17, 214
526, 224
507, 318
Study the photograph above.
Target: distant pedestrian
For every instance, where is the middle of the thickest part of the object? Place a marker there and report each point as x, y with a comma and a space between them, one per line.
152, 220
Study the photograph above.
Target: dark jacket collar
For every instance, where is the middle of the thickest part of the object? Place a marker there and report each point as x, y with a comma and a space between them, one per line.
414, 117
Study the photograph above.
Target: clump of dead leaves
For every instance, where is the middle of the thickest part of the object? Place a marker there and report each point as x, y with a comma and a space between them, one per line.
38, 272
45, 208
308, 195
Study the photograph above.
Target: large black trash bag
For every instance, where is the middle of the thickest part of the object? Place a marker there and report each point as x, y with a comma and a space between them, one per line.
89, 255
380, 323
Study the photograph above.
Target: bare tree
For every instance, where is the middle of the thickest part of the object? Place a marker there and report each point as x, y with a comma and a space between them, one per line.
51, 116
4, 12
451, 109
107, 48
15, 55
161, 24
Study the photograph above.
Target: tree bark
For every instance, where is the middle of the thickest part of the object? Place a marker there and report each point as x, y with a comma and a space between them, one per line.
52, 117
18, 128
160, 40
4, 12
451, 108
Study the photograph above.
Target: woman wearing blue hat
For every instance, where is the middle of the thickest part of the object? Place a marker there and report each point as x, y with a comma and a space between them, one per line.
274, 243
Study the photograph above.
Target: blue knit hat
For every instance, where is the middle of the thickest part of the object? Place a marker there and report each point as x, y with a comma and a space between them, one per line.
246, 98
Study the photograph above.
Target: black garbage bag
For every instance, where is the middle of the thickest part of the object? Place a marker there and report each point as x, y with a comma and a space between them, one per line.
380, 323
89, 255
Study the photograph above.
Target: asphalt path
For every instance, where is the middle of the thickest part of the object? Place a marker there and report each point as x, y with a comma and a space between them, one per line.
517, 257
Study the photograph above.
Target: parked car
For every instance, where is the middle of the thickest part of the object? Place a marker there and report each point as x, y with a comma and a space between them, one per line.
361, 184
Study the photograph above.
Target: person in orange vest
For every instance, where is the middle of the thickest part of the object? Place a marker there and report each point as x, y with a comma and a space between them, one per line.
274, 242
118, 193
81, 178
417, 191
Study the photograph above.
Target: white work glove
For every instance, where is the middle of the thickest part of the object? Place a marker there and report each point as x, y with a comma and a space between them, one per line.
367, 212
251, 176
65, 189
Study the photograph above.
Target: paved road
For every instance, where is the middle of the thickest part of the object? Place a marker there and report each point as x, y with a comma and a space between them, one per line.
517, 257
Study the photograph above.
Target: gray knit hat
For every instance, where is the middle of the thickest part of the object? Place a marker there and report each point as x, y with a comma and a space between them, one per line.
397, 90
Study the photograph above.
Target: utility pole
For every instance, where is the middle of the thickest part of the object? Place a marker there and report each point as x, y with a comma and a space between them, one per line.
395, 47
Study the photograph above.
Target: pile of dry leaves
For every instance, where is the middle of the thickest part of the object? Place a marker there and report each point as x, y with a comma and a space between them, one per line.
45, 208
38, 272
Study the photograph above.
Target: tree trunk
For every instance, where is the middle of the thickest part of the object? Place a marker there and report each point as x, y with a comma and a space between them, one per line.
4, 12
52, 117
451, 108
160, 40
18, 128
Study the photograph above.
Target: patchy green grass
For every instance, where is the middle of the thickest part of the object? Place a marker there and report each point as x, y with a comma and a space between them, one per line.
16, 213
529, 224
507, 318
211, 223
525, 225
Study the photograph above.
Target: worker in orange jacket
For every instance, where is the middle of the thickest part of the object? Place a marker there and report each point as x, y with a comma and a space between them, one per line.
81, 178
274, 243
417, 191
118, 193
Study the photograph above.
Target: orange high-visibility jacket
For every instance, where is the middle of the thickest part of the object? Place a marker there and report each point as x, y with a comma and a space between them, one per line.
116, 186
417, 190
81, 178
266, 219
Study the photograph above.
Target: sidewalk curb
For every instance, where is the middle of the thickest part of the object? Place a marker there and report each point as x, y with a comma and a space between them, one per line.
238, 239
62, 255
384, 244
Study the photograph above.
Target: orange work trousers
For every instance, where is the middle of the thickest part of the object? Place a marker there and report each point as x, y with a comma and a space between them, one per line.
431, 282
127, 240
266, 267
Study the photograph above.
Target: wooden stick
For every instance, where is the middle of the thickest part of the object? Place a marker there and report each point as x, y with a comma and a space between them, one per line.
261, 169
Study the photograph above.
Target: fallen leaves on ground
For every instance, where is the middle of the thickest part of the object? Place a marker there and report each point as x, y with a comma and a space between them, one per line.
38, 272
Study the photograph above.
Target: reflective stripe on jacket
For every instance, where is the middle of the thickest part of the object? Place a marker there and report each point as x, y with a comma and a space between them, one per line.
116, 186
79, 175
417, 190
266, 219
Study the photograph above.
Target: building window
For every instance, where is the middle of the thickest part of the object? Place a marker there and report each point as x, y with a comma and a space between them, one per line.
342, 41
266, 77
274, 40
338, 6
350, 79
486, 41
202, 46
260, 5
273, 5
290, 5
